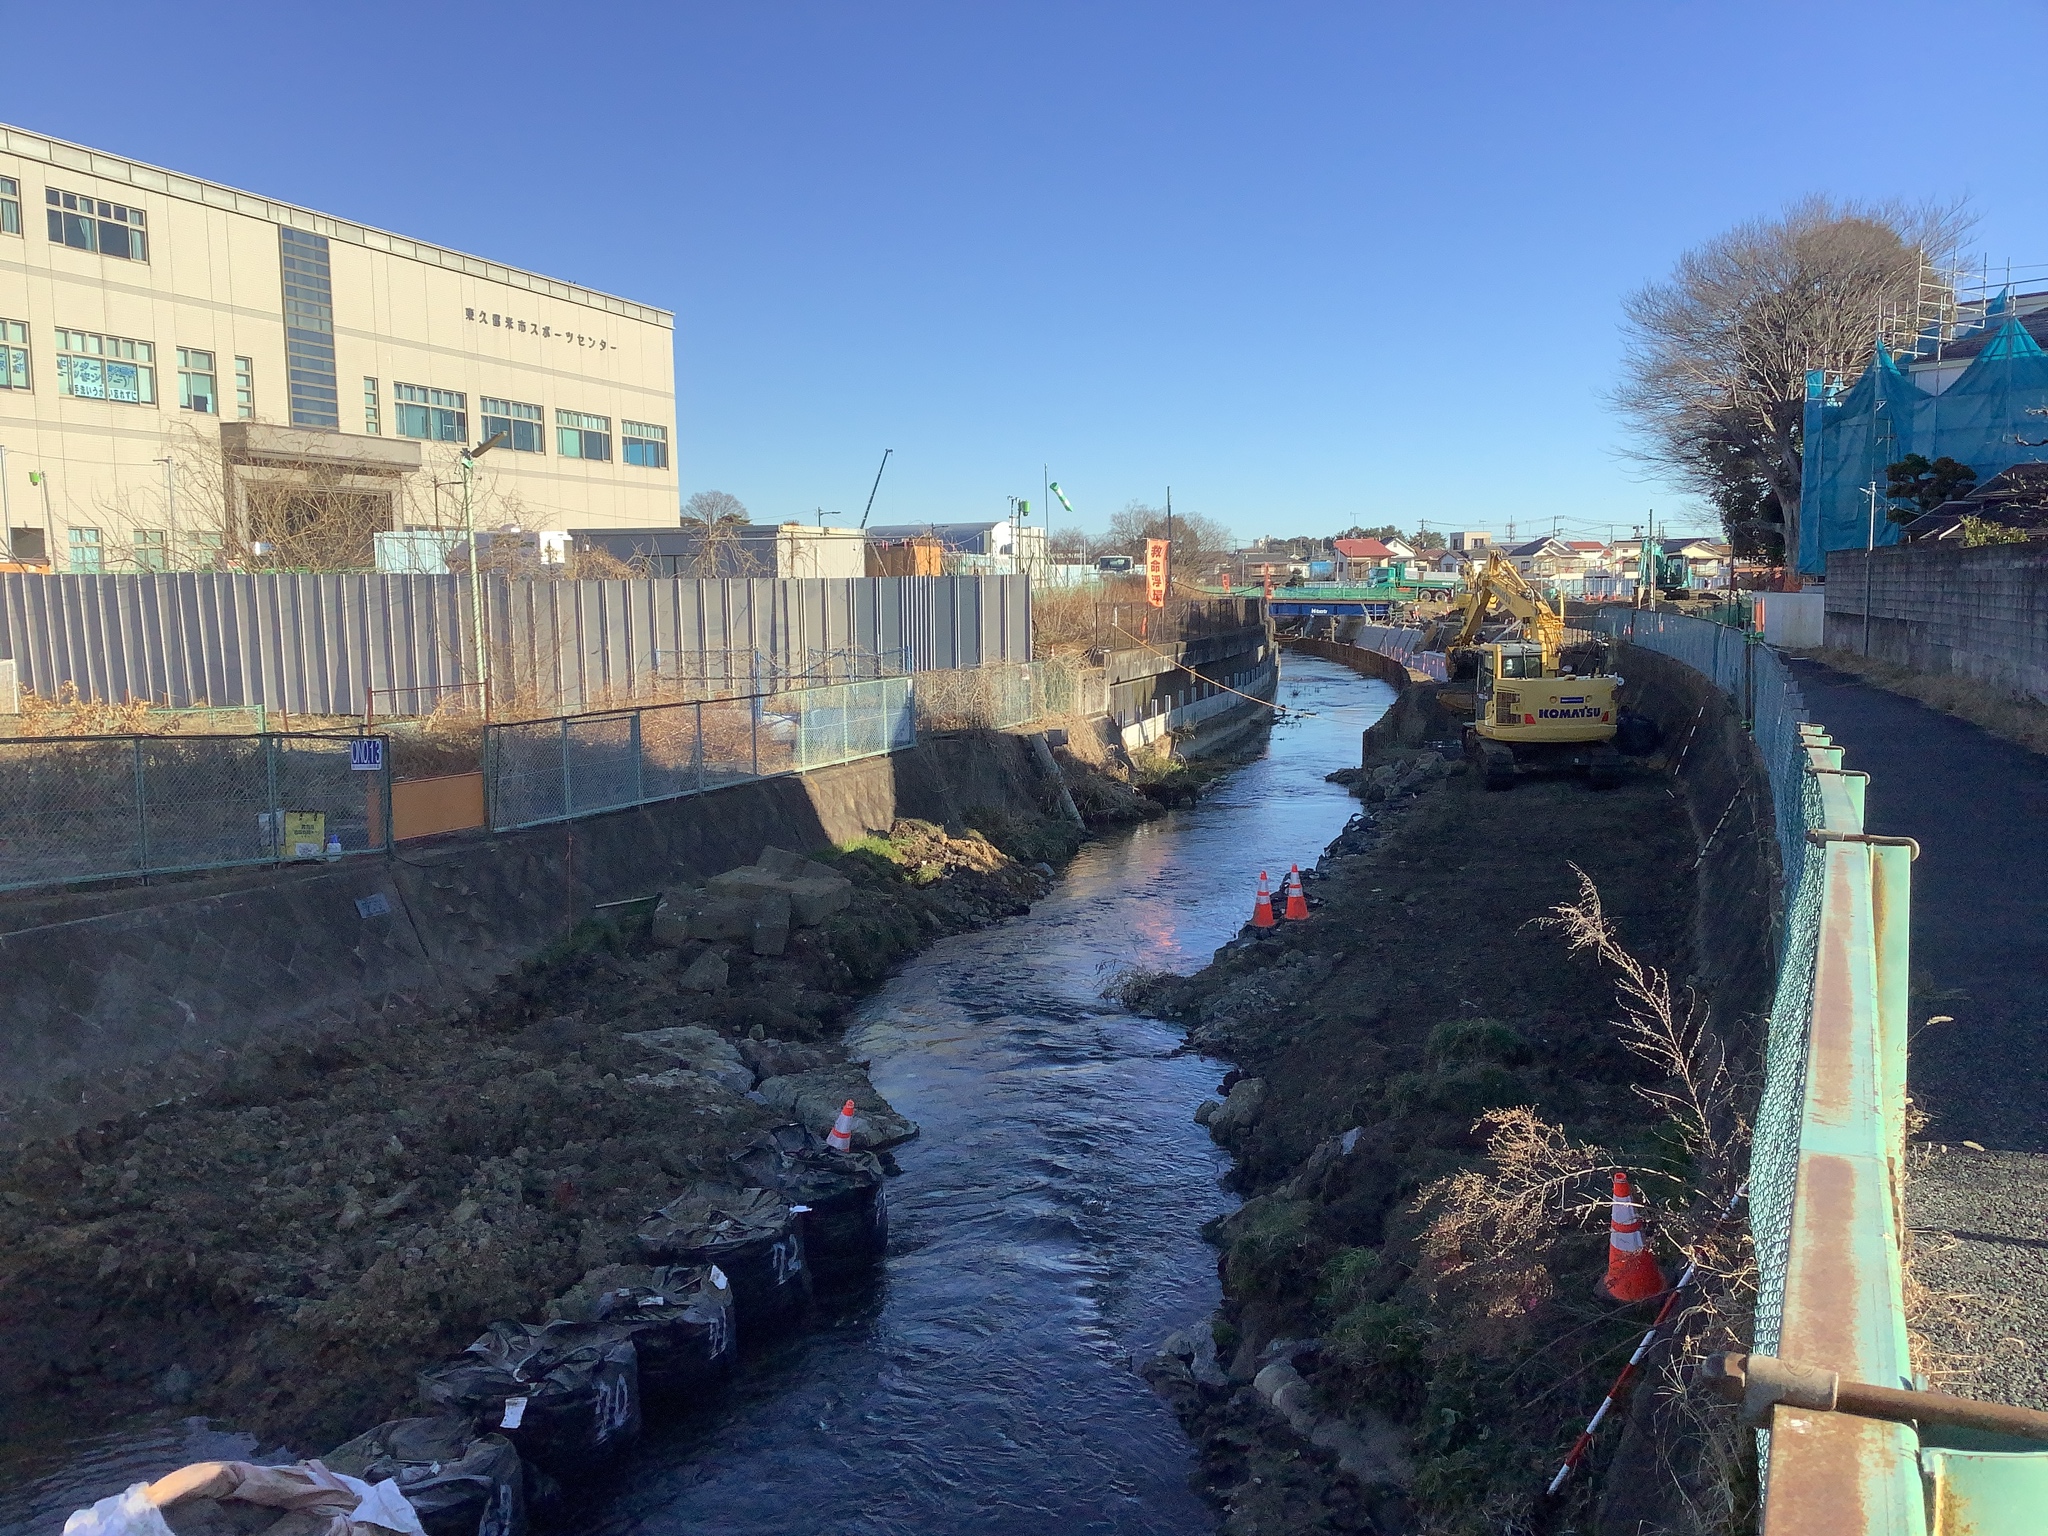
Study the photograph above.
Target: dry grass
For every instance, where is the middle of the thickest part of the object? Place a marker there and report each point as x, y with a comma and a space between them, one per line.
2016, 717
1498, 1235
1063, 621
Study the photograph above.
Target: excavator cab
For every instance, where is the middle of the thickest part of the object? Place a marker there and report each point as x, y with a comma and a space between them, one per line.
1528, 715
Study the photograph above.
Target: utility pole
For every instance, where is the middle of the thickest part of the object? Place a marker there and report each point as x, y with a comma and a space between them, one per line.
1169, 541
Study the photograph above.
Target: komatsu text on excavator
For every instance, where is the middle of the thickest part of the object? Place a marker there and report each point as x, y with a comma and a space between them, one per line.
1536, 703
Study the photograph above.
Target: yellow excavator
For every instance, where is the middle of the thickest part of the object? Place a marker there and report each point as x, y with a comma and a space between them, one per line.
1536, 703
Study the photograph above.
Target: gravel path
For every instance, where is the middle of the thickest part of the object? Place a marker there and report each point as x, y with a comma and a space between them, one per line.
1977, 1190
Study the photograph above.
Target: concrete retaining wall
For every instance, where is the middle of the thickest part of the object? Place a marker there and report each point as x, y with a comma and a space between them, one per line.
116, 1000
1981, 613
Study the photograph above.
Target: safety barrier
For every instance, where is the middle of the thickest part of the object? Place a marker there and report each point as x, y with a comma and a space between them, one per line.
540, 771
1827, 1168
96, 807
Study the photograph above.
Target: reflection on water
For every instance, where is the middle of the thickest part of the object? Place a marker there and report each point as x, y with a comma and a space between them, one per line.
1044, 1230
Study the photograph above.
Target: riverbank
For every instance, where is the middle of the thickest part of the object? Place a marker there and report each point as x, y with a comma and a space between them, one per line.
1425, 1092
283, 1250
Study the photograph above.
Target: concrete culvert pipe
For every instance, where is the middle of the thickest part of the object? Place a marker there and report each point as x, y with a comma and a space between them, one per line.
750, 1234
567, 1395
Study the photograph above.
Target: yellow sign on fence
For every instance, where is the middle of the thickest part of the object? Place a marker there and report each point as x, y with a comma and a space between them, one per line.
305, 835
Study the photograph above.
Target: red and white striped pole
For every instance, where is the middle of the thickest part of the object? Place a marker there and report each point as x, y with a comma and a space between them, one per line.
1626, 1381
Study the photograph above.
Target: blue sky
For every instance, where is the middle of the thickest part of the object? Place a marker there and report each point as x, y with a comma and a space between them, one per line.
1308, 264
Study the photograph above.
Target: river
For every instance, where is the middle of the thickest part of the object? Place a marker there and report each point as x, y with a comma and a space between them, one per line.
1045, 1228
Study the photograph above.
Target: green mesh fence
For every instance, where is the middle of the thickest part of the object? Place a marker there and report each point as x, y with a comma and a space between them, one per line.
1755, 677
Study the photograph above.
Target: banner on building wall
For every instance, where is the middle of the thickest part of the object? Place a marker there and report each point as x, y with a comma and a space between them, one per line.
1155, 572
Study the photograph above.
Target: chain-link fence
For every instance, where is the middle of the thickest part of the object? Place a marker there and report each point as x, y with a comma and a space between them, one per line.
90, 807
1756, 679
1004, 695
538, 771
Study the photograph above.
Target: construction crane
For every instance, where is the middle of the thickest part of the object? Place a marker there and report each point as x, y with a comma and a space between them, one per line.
1536, 703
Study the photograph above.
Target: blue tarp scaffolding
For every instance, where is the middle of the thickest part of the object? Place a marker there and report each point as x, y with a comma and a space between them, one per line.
1981, 420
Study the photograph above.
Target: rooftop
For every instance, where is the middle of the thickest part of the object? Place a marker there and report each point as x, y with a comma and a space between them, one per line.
63, 155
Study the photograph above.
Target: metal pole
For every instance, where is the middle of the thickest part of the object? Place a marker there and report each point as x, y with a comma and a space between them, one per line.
476, 593
6, 506
49, 522
1869, 549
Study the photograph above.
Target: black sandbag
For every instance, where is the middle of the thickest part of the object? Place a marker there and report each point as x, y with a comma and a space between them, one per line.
751, 1235
1636, 735
461, 1481
681, 1317
846, 1225
567, 1395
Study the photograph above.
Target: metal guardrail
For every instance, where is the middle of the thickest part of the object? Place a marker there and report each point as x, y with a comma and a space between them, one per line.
541, 771
1827, 1162
76, 808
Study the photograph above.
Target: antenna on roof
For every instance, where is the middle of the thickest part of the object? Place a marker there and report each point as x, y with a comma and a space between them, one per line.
876, 486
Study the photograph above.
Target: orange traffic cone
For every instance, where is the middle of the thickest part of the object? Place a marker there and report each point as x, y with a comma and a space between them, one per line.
1262, 908
841, 1139
1297, 898
1632, 1272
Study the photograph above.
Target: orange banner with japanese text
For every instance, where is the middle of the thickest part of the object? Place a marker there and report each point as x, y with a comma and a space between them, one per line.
1155, 572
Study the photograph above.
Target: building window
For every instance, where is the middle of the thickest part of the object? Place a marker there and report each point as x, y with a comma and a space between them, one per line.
13, 354
205, 549
86, 224
434, 415
522, 425
105, 368
10, 206
150, 550
309, 330
245, 388
581, 436
644, 444
196, 388
373, 411
85, 552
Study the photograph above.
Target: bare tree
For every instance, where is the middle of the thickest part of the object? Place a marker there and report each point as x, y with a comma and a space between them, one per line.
1195, 539
1714, 371
707, 510
1070, 546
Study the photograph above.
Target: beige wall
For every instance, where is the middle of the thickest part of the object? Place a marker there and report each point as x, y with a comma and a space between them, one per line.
403, 312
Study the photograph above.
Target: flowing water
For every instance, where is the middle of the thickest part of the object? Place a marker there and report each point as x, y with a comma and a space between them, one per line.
1045, 1226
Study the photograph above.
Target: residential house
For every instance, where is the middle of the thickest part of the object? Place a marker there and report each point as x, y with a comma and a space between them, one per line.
1544, 559
2016, 499
1358, 559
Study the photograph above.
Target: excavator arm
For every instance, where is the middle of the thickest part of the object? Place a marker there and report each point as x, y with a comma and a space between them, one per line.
1499, 582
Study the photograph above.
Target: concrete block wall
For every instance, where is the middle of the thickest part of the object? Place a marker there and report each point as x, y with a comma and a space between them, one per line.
1979, 613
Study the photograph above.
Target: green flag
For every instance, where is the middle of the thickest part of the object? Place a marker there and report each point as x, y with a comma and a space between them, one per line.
1062, 496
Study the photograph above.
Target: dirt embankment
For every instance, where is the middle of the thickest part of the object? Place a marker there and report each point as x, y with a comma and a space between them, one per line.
1447, 1348
285, 1251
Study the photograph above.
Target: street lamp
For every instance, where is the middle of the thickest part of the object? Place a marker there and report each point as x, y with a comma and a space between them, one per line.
480, 656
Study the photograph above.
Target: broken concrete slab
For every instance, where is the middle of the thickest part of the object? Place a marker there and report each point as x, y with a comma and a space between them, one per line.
707, 973
700, 1049
814, 1098
771, 923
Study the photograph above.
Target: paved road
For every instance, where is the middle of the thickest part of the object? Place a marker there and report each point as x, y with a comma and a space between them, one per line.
1979, 1213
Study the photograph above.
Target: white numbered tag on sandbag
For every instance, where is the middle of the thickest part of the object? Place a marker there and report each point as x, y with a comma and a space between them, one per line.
515, 1413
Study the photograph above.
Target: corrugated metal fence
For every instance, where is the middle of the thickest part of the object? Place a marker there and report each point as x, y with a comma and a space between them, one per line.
320, 645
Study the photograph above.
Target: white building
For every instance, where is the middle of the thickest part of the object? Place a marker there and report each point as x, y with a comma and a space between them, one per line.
190, 371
